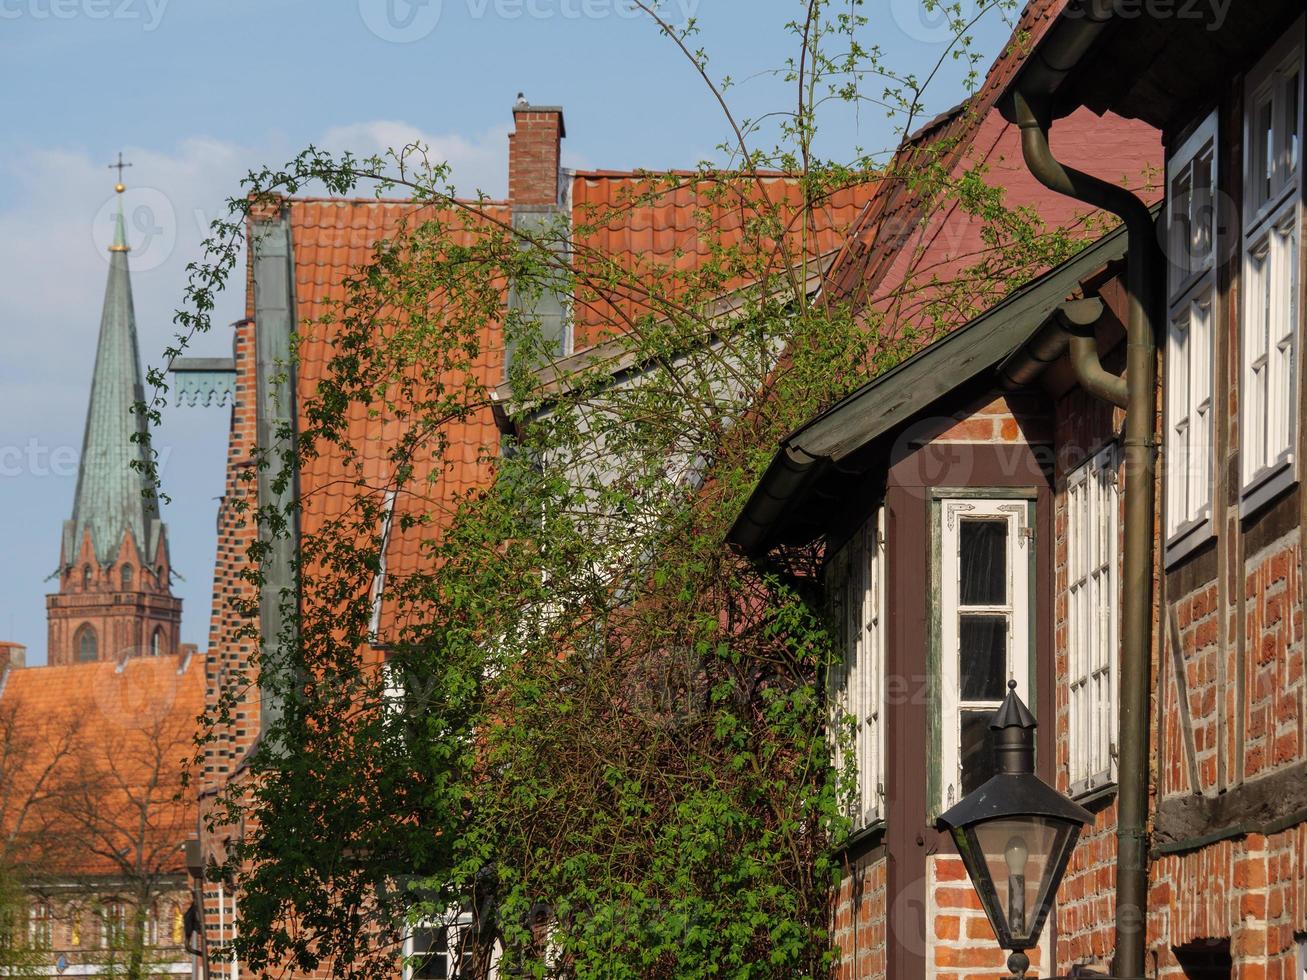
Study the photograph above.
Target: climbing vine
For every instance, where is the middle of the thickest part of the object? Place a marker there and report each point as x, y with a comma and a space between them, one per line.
551, 703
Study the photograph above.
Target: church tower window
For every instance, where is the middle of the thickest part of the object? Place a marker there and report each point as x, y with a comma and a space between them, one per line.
87, 644
86, 576
156, 642
126, 574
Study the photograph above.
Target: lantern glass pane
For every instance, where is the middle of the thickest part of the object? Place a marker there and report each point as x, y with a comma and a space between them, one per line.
1021, 856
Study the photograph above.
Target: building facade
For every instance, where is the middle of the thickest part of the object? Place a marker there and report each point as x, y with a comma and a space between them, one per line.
305, 251
984, 536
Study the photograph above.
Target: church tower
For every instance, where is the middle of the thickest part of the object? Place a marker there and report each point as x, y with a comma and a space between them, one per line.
115, 597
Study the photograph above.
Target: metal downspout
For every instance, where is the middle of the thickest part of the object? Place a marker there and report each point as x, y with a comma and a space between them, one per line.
1033, 117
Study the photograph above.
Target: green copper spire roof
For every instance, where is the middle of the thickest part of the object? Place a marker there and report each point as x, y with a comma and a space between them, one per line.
119, 236
111, 498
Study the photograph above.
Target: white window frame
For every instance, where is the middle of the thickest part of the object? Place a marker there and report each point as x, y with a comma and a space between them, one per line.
1093, 527
378, 589
113, 923
1270, 328
40, 925
1192, 230
454, 925
856, 684
953, 511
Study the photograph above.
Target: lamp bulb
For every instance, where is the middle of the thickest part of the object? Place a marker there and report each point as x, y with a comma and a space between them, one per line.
1017, 853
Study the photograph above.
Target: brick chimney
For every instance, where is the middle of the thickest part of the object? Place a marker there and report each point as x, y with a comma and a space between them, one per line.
533, 153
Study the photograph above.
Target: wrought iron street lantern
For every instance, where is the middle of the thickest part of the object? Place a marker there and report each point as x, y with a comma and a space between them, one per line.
1015, 835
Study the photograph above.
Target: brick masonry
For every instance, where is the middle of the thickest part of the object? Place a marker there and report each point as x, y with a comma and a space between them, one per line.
128, 604
534, 150
859, 920
230, 645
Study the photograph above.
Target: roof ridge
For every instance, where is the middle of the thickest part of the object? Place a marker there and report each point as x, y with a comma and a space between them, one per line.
323, 199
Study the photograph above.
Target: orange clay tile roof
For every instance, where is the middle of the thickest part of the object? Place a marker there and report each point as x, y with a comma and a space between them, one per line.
655, 221
88, 749
331, 239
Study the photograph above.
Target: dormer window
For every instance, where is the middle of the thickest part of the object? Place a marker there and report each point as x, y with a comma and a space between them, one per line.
127, 575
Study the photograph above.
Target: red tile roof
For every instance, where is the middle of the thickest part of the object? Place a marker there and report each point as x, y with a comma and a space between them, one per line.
656, 222
332, 240
634, 220
90, 748
637, 219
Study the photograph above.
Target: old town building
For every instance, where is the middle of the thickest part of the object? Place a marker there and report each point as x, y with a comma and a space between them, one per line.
997, 522
307, 248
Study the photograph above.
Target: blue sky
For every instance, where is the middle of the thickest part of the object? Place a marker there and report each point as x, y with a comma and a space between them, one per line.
197, 93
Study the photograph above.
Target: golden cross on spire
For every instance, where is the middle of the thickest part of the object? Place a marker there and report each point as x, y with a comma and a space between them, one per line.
119, 166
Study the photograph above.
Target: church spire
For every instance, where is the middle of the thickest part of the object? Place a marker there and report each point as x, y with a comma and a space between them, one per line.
111, 497
115, 591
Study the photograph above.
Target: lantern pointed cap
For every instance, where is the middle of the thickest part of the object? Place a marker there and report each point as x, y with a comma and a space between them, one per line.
1012, 713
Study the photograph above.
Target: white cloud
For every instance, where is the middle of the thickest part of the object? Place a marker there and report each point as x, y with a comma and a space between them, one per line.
57, 224
477, 164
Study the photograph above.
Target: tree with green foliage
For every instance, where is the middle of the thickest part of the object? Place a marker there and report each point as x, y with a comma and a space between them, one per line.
22, 954
599, 735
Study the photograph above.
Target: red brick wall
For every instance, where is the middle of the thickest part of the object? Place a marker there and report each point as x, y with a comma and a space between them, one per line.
859, 931
1273, 633
229, 648
1250, 890
124, 620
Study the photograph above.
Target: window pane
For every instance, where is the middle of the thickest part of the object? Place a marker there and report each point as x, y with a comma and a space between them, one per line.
983, 563
1264, 147
1201, 210
1291, 122
982, 657
1182, 231
977, 750
429, 948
